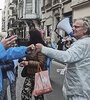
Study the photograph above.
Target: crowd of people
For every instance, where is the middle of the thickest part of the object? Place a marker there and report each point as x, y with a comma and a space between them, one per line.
76, 54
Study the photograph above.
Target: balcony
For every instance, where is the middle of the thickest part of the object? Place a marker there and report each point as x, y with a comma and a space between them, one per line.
14, 13
66, 1
12, 17
55, 2
11, 6
43, 9
78, 2
48, 6
14, 1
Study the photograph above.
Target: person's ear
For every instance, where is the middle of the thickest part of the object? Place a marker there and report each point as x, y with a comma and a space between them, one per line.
85, 31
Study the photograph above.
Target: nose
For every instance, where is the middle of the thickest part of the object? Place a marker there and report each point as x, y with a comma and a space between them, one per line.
73, 28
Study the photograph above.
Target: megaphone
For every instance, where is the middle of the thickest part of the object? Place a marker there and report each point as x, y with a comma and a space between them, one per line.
3, 34
65, 25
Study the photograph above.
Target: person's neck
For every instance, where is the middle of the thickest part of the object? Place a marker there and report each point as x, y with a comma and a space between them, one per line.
84, 36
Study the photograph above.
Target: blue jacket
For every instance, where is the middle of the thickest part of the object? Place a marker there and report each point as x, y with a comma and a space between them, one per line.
5, 67
10, 54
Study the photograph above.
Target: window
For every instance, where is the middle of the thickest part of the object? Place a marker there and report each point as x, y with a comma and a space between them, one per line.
49, 30
69, 15
28, 6
36, 7
43, 2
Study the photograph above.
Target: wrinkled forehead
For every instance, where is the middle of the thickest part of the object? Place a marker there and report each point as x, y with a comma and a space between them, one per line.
78, 22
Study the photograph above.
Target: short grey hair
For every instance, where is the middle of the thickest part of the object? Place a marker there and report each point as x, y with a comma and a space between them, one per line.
86, 24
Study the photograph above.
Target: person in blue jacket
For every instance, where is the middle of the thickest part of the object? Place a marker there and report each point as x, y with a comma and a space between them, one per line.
11, 53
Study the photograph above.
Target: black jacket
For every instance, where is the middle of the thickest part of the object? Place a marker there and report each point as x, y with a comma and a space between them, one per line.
6, 66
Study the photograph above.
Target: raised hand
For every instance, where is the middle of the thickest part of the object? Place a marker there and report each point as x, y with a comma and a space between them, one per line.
38, 47
9, 41
23, 63
30, 49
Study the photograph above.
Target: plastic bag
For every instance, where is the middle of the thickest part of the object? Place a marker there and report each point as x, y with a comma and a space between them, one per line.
42, 83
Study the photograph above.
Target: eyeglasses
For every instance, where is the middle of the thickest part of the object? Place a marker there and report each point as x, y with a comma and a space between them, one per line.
77, 26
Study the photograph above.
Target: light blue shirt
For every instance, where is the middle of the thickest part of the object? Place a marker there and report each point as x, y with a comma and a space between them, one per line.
77, 76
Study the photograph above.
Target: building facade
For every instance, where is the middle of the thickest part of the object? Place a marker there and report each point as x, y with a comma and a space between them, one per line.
18, 13
44, 13
80, 8
54, 10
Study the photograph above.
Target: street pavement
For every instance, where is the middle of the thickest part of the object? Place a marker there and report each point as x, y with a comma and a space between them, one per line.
56, 82
19, 85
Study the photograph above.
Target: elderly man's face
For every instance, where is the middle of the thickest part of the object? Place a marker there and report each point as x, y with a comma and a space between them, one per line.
78, 29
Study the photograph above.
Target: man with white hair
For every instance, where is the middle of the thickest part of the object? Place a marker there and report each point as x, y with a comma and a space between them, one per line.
77, 77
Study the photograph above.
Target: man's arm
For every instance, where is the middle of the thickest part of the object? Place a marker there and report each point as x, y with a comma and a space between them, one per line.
15, 52
71, 55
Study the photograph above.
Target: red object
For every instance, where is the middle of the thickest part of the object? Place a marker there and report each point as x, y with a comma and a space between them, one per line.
42, 83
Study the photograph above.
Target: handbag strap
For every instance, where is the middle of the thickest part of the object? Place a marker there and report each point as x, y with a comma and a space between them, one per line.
39, 68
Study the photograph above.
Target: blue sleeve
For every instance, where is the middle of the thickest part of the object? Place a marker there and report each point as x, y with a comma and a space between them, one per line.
12, 53
2, 49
